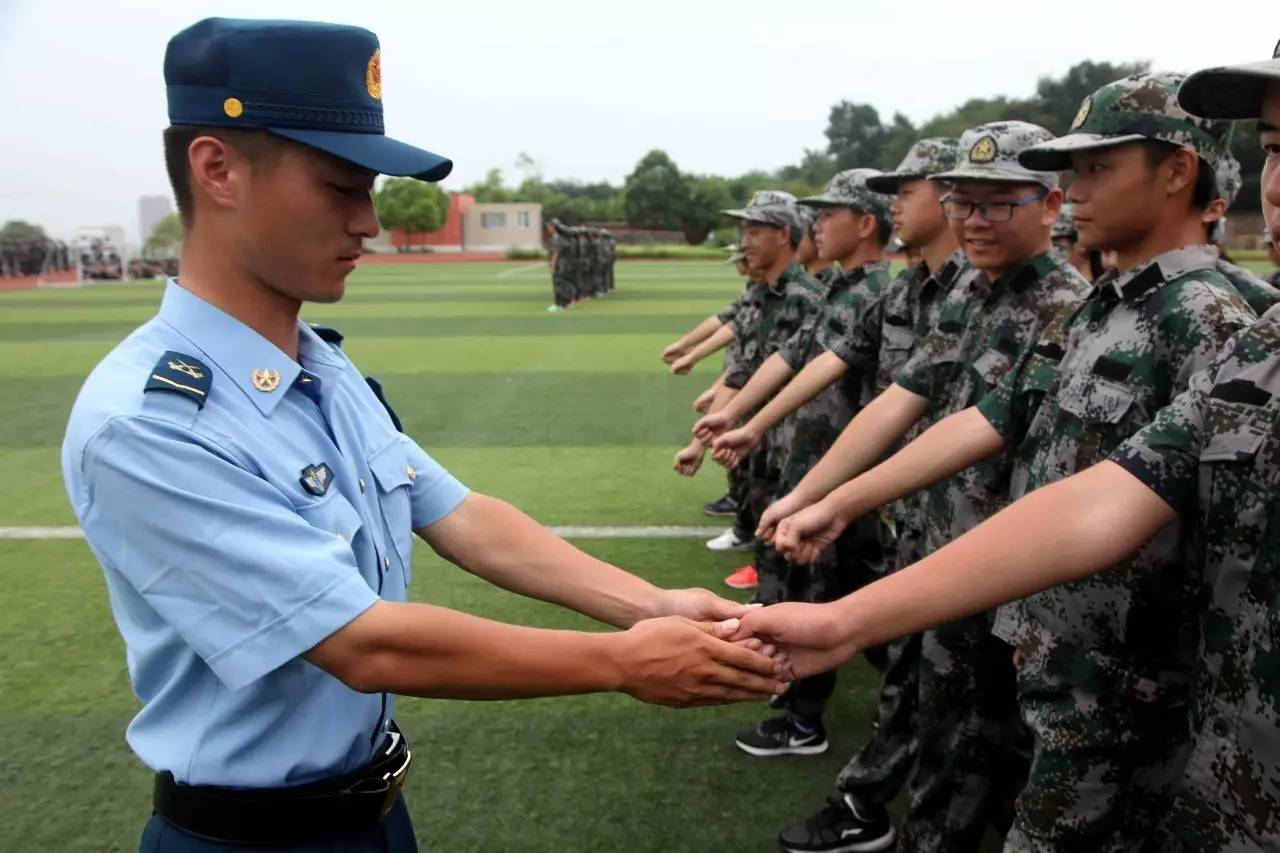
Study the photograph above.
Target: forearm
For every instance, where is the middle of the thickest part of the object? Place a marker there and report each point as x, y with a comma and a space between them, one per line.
495, 541
945, 449
725, 396
701, 332
423, 650
866, 439
718, 339
806, 385
1060, 533
767, 379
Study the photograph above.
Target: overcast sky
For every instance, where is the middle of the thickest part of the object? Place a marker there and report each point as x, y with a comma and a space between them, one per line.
585, 88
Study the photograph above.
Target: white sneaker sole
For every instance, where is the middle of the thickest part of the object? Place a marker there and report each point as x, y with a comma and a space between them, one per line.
882, 843
814, 749
713, 545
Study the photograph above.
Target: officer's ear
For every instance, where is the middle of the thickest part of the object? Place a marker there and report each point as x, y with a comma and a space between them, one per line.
219, 173
1052, 207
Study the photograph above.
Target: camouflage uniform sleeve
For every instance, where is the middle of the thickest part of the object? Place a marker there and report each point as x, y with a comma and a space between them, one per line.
794, 349
728, 315
1165, 454
859, 345
932, 361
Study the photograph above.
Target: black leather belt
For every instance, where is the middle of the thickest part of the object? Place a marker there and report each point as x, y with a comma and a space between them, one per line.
330, 808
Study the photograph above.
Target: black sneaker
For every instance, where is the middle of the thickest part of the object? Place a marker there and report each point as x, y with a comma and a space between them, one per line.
781, 736
723, 508
846, 825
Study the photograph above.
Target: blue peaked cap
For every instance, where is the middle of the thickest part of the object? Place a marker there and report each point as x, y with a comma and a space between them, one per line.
317, 84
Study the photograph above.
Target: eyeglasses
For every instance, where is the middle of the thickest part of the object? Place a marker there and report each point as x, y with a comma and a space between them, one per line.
992, 211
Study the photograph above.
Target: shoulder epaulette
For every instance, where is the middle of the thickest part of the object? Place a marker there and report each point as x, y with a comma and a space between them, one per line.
181, 374
328, 335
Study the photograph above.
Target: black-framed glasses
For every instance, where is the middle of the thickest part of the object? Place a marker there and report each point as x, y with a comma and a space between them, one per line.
992, 211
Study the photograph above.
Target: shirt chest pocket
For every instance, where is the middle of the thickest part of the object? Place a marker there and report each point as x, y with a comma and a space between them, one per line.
1102, 407
334, 514
395, 476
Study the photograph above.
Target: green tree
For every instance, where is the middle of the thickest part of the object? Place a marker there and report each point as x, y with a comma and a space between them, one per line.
707, 195
854, 134
413, 206
165, 238
491, 189
655, 193
20, 231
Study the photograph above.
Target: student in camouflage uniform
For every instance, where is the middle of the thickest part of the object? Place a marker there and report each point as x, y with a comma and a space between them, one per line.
1208, 459
1259, 293
875, 775
610, 257
1104, 665
558, 263
833, 359
969, 735
807, 254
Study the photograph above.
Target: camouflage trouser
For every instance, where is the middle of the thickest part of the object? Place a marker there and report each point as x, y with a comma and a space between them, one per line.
972, 759
850, 563
561, 289
608, 278
1107, 756
878, 771
745, 520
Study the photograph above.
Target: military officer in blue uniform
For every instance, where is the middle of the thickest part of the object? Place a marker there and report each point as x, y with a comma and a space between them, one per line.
253, 503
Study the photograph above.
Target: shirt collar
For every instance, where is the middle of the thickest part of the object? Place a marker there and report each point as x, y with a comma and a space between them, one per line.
260, 369
1135, 283
790, 274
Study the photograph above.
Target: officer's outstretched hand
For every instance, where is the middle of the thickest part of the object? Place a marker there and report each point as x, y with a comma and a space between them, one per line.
803, 536
673, 351
680, 663
682, 365
732, 447
704, 400
810, 638
689, 459
707, 429
700, 605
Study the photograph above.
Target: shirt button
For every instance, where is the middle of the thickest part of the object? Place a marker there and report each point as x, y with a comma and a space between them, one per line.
386, 564
413, 475
362, 487
340, 536
1221, 727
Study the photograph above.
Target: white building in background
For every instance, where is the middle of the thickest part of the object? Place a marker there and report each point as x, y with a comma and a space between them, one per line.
499, 227
151, 209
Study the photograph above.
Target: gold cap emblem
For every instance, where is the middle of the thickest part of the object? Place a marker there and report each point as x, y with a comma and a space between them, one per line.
1083, 112
983, 151
266, 380
233, 108
373, 75
413, 475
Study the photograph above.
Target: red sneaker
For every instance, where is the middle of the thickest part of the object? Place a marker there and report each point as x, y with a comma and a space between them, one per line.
743, 578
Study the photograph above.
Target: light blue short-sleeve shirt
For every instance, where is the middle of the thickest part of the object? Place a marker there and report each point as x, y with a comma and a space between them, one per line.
243, 508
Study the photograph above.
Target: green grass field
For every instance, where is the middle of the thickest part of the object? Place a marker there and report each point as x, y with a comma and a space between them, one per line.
570, 416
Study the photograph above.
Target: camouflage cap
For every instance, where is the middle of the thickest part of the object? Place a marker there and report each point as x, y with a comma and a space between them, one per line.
926, 157
808, 216
1229, 179
1230, 91
989, 152
769, 207
850, 189
1065, 227
1138, 107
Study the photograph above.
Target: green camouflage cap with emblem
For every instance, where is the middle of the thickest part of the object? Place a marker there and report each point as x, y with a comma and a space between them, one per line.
1138, 107
989, 152
926, 157
769, 207
1230, 91
808, 218
850, 188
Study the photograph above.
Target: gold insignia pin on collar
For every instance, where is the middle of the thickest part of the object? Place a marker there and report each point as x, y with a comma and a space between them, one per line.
266, 380
189, 369
413, 475
983, 151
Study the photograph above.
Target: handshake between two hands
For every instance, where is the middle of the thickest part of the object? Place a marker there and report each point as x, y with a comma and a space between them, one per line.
701, 649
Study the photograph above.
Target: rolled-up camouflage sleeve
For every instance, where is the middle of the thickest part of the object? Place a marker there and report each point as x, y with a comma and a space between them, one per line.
859, 346
1165, 455
794, 349
730, 313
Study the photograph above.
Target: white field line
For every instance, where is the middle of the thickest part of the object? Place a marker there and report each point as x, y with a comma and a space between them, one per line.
569, 532
526, 268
